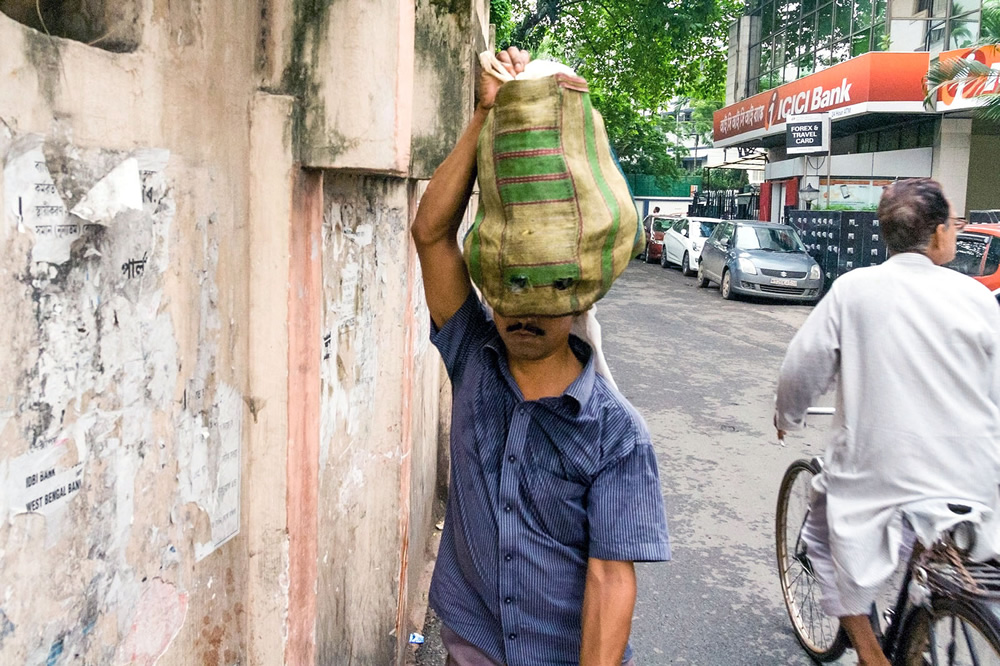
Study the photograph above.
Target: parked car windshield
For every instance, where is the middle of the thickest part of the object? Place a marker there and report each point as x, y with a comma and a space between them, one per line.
661, 225
706, 228
779, 239
969, 252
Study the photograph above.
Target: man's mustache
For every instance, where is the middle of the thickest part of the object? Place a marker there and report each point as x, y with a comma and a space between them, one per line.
530, 328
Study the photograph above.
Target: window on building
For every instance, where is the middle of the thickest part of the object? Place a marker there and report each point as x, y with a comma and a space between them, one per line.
914, 134
112, 25
800, 37
933, 25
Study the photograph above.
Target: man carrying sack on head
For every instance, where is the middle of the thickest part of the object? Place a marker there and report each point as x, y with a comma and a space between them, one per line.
554, 489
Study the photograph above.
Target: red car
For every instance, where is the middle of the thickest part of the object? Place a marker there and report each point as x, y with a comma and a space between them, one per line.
655, 226
978, 254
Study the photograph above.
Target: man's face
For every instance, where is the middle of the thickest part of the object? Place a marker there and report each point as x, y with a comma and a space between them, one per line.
533, 337
947, 237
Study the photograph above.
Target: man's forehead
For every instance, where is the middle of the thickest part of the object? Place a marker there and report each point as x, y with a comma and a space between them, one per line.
536, 316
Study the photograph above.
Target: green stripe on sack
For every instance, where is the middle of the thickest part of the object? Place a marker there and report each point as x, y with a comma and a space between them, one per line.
537, 191
541, 276
476, 246
532, 139
607, 258
535, 165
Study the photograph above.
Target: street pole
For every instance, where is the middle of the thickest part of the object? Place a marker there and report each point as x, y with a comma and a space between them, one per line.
829, 158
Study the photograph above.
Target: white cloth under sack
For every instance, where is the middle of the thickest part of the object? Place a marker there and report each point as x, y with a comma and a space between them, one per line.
536, 69
587, 328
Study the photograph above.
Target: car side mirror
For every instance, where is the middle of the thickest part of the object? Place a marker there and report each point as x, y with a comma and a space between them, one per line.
685, 233
815, 254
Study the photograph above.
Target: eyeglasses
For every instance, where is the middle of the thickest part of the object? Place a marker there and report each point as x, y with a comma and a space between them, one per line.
959, 222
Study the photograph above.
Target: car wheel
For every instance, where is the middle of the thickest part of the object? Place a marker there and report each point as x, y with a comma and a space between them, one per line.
646, 256
686, 265
702, 280
726, 287
663, 258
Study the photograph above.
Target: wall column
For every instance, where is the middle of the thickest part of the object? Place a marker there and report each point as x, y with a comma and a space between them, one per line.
951, 159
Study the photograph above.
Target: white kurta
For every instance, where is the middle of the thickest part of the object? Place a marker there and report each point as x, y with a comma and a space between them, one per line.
914, 352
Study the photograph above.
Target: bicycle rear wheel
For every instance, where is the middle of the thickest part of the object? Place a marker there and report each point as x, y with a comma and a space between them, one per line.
819, 634
956, 632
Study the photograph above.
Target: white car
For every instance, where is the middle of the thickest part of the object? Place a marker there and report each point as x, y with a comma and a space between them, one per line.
683, 240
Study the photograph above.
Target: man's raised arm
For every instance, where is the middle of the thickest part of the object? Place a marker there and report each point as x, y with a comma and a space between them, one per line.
439, 216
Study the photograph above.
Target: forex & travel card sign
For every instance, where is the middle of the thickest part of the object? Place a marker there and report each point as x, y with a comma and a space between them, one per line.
807, 134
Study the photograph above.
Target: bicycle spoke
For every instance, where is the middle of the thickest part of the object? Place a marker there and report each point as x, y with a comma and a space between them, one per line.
932, 643
973, 652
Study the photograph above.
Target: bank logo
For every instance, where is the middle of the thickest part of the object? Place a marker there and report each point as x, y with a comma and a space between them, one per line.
772, 109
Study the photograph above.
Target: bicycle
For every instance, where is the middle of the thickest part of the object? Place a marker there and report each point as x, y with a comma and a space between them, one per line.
946, 610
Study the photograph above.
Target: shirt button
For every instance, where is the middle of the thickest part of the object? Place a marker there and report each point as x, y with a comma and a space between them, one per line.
507, 508
507, 600
512, 636
511, 458
508, 557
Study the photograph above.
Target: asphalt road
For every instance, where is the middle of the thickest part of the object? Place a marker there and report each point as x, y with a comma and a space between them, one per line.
702, 371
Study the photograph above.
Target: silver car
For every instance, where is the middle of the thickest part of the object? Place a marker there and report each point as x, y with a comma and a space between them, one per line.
759, 259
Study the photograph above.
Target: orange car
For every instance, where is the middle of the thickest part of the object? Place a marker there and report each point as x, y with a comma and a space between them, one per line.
978, 254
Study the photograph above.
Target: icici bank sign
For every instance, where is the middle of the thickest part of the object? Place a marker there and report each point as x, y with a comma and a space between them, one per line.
846, 88
813, 101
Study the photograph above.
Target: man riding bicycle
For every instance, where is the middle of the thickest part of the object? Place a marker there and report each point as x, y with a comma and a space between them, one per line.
914, 351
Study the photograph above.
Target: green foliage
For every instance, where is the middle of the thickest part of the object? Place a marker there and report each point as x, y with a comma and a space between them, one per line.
640, 141
723, 179
653, 49
502, 17
989, 27
637, 55
971, 73
701, 123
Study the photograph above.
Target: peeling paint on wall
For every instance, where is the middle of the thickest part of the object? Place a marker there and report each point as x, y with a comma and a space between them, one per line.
365, 245
97, 416
210, 467
158, 617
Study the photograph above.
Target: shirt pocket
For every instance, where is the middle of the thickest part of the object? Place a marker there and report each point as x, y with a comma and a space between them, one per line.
559, 506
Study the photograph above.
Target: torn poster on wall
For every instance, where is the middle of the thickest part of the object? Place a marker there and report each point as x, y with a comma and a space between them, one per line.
106, 352
39, 482
34, 203
210, 466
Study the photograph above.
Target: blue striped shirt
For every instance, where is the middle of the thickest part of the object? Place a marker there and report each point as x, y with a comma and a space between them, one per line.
537, 487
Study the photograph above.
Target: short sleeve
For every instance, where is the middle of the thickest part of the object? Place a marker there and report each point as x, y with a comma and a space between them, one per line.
461, 335
625, 510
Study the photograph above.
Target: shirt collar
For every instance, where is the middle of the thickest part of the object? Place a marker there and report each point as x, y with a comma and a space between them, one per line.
582, 388
911, 258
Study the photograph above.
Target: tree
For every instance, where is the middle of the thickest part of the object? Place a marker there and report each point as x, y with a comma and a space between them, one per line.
636, 55
653, 49
501, 16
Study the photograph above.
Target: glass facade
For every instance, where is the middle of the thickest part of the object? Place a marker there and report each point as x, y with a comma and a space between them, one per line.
795, 38
909, 134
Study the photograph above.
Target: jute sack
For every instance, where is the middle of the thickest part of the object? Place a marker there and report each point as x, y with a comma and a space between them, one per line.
556, 223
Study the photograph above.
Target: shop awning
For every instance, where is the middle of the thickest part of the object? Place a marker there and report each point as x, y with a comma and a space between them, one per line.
871, 83
753, 161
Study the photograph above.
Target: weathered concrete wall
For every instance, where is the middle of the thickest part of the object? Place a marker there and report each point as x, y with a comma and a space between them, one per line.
122, 282
443, 79
219, 413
